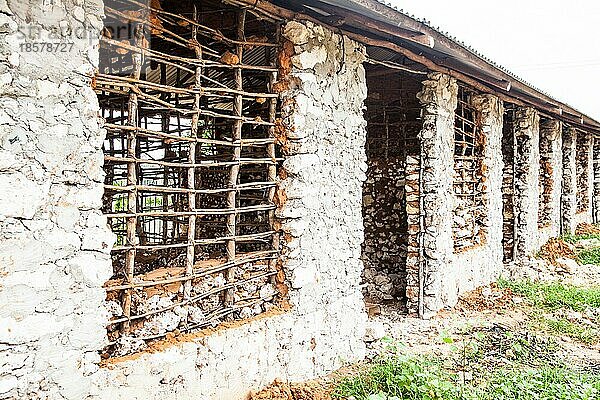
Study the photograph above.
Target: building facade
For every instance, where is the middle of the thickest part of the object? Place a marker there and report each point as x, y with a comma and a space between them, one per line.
198, 196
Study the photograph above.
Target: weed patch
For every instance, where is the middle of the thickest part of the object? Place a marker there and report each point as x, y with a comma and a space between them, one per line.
573, 239
589, 256
497, 346
555, 295
496, 364
562, 326
403, 377
542, 383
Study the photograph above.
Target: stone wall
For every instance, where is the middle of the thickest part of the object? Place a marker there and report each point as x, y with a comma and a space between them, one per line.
551, 175
578, 179
54, 241
482, 264
54, 252
448, 274
526, 169
596, 177
324, 169
391, 203
384, 220
508, 185
584, 172
569, 181
414, 222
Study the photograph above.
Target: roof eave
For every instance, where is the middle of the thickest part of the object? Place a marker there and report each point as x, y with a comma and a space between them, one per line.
442, 41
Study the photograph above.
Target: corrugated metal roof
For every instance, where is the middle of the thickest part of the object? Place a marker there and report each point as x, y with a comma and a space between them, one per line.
382, 11
465, 46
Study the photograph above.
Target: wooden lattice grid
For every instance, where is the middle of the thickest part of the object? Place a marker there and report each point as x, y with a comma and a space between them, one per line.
469, 182
393, 114
190, 161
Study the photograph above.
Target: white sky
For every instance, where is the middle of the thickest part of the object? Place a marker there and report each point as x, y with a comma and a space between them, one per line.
554, 45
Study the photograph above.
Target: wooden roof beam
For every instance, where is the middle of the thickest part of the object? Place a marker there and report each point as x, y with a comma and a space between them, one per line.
360, 21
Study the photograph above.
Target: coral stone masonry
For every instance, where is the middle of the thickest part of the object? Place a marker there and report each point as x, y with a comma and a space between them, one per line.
199, 197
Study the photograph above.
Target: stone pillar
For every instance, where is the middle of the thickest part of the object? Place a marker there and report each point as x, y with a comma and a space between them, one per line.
323, 174
439, 100
491, 111
591, 178
585, 176
527, 171
569, 183
413, 219
596, 177
551, 166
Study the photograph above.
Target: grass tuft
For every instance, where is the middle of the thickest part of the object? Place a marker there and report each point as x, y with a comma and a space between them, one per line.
573, 239
400, 376
542, 383
555, 295
589, 256
416, 378
561, 326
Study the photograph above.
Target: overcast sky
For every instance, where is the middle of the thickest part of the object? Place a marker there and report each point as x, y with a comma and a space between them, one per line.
554, 45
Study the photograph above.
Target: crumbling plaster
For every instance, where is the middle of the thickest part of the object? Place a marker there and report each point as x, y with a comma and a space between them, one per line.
585, 176
54, 246
448, 274
55, 242
596, 181
527, 172
569, 181
572, 154
482, 264
551, 138
439, 100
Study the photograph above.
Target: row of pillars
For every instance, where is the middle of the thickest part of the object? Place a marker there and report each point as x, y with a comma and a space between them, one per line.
565, 205
438, 275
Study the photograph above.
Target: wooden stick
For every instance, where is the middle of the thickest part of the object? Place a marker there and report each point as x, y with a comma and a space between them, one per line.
191, 176
272, 168
162, 135
113, 79
204, 164
237, 151
166, 189
204, 211
197, 242
227, 287
132, 119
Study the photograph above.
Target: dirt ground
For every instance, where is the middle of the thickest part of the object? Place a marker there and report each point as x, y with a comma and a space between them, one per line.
487, 307
491, 309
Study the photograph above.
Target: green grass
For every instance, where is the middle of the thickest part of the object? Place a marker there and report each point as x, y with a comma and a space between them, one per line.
547, 383
417, 378
400, 376
555, 295
493, 363
589, 256
573, 239
586, 256
561, 326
